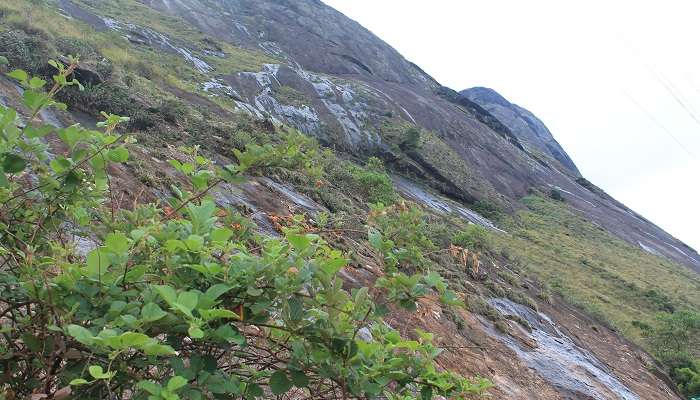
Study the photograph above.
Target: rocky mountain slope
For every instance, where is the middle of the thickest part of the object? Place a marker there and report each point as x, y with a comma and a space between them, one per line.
354, 81
221, 73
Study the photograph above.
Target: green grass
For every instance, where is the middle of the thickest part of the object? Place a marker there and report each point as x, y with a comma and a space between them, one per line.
291, 96
611, 279
236, 59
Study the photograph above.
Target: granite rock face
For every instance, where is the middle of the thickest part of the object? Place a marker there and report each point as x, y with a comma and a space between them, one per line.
527, 127
356, 91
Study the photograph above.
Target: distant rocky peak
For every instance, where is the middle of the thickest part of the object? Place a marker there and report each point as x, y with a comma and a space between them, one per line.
529, 129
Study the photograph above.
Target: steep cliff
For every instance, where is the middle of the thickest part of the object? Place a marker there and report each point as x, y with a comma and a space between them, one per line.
223, 74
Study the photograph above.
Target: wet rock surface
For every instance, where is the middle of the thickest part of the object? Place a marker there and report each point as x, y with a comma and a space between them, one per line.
555, 356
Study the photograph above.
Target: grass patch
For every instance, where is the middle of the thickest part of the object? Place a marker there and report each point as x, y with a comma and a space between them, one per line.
289, 95
618, 283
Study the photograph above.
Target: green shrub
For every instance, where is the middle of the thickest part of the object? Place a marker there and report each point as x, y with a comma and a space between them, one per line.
488, 209
373, 183
688, 379
23, 51
545, 294
473, 237
496, 289
291, 96
399, 232
521, 298
410, 140
177, 299
555, 194
508, 277
478, 305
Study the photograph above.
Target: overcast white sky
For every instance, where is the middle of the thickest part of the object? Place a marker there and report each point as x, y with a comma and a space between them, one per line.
617, 82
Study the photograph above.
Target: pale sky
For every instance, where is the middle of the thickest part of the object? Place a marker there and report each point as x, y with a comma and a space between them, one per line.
617, 82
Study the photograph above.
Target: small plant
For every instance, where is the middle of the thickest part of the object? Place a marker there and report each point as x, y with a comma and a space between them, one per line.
521, 298
545, 294
508, 277
398, 232
410, 140
496, 289
478, 305
488, 209
473, 237
555, 194
373, 183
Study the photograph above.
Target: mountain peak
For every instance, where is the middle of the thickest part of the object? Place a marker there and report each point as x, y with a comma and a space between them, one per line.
529, 129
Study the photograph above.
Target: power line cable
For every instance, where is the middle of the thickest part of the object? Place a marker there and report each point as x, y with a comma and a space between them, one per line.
660, 125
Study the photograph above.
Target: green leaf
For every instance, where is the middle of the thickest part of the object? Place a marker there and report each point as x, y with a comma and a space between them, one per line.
117, 243
157, 349
175, 383
4, 60
38, 132
187, 168
375, 239
299, 379
217, 313
81, 334
167, 293
426, 393
97, 372
333, 266
194, 242
226, 332
151, 312
279, 383
216, 291
188, 300
19, 75
3, 179
97, 263
221, 234
150, 387
254, 390
36, 83
133, 339
12, 163
300, 242
195, 332
119, 155
78, 382
296, 308
59, 165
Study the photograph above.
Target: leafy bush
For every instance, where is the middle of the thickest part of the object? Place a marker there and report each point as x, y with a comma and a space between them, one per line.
373, 182
398, 232
480, 306
675, 340
410, 140
509, 277
555, 194
295, 152
175, 300
473, 237
488, 209
521, 298
23, 50
688, 379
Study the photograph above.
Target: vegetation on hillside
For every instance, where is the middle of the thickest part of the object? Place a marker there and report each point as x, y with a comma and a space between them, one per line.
174, 299
649, 299
253, 316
